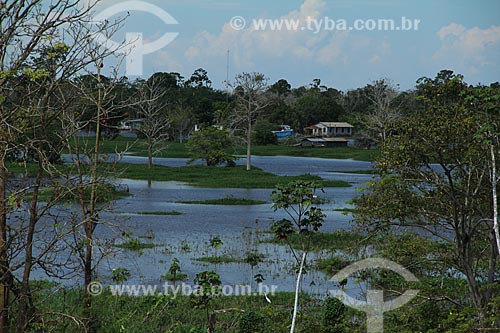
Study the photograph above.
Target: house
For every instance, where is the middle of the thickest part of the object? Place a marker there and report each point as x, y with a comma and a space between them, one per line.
330, 130
130, 125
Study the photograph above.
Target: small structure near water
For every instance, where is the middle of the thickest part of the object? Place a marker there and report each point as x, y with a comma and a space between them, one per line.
328, 134
285, 131
324, 142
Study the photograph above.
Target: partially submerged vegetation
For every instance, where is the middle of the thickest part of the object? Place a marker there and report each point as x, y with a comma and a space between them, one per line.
218, 177
134, 244
196, 175
228, 201
174, 277
162, 213
220, 259
358, 172
338, 240
104, 193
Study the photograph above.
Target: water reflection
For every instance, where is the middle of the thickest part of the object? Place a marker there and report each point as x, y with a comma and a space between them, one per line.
241, 228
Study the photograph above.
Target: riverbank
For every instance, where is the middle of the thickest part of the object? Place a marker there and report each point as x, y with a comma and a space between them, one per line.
217, 177
170, 149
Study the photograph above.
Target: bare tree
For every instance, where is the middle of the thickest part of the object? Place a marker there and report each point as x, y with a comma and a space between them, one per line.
41, 47
249, 90
88, 161
379, 121
181, 120
151, 107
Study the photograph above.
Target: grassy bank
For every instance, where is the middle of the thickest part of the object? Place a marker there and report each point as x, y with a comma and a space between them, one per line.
162, 213
233, 314
61, 310
358, 172
176, 149
135, 245
226, 202
338, 240
196, 175
217, 177
220, 260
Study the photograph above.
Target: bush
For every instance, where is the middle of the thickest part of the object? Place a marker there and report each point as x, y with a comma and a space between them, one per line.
264, 135
251, 322
210, 145
333, 313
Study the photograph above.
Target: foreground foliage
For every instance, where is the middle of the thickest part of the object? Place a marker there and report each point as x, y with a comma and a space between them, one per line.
436, 177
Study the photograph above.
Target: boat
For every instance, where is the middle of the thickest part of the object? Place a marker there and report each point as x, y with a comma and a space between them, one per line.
285, 131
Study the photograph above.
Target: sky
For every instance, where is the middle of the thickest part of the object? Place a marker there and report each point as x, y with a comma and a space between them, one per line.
336, 41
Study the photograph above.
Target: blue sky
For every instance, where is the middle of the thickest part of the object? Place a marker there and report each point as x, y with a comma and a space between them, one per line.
463, 36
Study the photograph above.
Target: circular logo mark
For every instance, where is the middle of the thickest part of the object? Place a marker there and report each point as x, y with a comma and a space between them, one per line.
134, 47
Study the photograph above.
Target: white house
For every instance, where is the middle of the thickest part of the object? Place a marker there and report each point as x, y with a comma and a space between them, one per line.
132, 124
330, 129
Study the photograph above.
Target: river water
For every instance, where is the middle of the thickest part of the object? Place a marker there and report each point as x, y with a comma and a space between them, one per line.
242, 229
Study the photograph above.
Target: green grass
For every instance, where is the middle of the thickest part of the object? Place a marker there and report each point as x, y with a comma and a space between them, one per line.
135, 245
60, 309
170, 212
251, 258
135, 146
30, 169
218, 177
196, 175
220, 260
358, 172
227, 201
105, 193
333, 153
338, 240
176, 149
162, 313
333, 264
345, 210
177, 277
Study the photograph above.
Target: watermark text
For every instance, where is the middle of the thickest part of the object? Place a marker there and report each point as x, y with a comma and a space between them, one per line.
96, 288
316, 25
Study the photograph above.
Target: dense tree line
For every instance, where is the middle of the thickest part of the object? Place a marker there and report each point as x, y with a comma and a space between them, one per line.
193, 101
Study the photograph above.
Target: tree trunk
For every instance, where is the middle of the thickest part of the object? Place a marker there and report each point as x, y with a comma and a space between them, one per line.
91, 220
150, 152
466, 258
494, 181
4, 262
22, 312
249, 145
297, 290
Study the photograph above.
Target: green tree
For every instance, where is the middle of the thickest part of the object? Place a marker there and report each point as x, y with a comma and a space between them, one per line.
434, 177
297, 200
263, 134
209, 144
208, 287
280, 88
251, 102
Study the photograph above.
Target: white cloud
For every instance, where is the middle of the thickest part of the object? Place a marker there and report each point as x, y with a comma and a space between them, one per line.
284, 52
468, 50
250, 43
